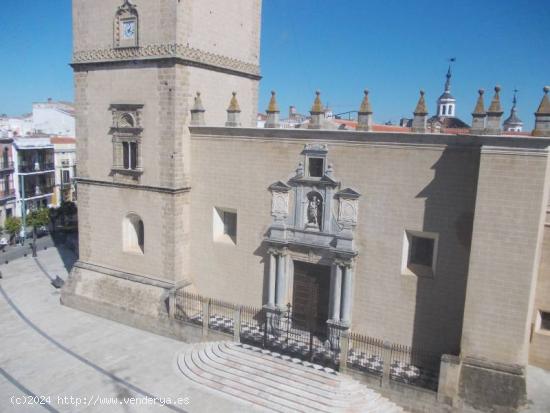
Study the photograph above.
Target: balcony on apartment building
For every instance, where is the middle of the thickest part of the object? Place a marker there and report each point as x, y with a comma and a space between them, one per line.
6, 195
36, 167
6, 165
38, 191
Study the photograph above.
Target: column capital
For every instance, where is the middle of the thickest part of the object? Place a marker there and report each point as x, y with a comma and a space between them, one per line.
272, 251
343, 262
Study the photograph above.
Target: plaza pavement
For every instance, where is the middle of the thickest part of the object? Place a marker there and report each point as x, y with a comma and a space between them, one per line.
51, 351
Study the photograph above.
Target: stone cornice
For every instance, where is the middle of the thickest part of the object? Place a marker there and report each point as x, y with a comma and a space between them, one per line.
160, 189
426, 141
185, 54
148, 280
499, 150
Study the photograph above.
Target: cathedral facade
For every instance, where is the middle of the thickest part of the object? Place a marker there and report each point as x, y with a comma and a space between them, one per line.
429, 240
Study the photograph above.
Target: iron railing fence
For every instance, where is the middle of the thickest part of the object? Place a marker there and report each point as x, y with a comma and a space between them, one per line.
188, 307
306, 339
311, 340
415, 367
252, 326
366, 354
221, 316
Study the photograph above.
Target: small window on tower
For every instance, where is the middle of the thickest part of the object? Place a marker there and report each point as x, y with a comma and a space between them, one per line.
315, 167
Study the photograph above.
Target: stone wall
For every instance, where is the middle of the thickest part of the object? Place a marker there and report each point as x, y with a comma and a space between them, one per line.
539, 351
404, 186
102, 210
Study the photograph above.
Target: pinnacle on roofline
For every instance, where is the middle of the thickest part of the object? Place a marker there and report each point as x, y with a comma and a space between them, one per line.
317, 104
480, 105
365, 104
421, 108
273, 106
495, 108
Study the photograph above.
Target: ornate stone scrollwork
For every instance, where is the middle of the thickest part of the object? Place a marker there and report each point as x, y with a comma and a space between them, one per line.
347, 208
126, 26
160, 51
310, 210
280, 200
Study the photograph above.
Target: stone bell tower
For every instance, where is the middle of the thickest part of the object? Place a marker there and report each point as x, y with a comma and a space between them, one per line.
138, 65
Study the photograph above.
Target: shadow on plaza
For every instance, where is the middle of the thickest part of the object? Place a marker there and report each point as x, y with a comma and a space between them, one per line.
67, 247
449, 210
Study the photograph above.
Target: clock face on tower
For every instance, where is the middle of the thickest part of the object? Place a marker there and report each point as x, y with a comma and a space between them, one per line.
128, 29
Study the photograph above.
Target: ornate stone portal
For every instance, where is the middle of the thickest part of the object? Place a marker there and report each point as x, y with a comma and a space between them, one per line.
313, 221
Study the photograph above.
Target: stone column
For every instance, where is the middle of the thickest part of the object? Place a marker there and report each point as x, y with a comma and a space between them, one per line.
272, 278
336, 291
347, 295
280, 297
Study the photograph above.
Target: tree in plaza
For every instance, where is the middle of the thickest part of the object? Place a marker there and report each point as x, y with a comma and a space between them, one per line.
13, 226
36, 219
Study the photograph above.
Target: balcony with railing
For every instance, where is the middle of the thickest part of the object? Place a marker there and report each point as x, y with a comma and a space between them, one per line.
37, 191
6, 165
36, 167
5, 195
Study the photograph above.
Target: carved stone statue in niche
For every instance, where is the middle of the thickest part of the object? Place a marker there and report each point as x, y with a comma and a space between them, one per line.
314, 211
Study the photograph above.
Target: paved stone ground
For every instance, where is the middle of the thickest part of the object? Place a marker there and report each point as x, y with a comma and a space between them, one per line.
56, 352
47, 349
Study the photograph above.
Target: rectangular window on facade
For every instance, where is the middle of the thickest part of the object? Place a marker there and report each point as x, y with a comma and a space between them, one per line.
126, 154
66, 177
315, 167
225, 225
544, 321
130, 155
133, 155
419, 253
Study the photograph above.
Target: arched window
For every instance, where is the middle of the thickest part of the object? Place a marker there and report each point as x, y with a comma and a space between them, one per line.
450, 110
126, 121
133, 234
443, 108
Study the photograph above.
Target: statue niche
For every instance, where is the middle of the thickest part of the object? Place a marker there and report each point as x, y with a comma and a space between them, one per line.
314, 211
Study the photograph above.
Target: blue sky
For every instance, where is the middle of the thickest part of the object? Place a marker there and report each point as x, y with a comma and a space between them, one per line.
392, 47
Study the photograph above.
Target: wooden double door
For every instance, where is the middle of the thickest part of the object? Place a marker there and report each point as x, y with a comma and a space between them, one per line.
310, 297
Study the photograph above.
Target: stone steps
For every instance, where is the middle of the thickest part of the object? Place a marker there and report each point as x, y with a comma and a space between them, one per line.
271, 381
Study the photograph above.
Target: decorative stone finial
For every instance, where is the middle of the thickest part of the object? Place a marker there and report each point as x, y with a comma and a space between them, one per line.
234, 104
542, 115
479, 115
233, 112
364, 116
273, 106
420, 119
480, 106
544, 107
272, 111
365, 105
317, 112
495, 107
197, 111
317, 104
421, 108
494, 113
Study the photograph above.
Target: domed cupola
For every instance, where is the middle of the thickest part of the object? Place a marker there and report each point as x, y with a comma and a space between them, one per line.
513, 123
446, 104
